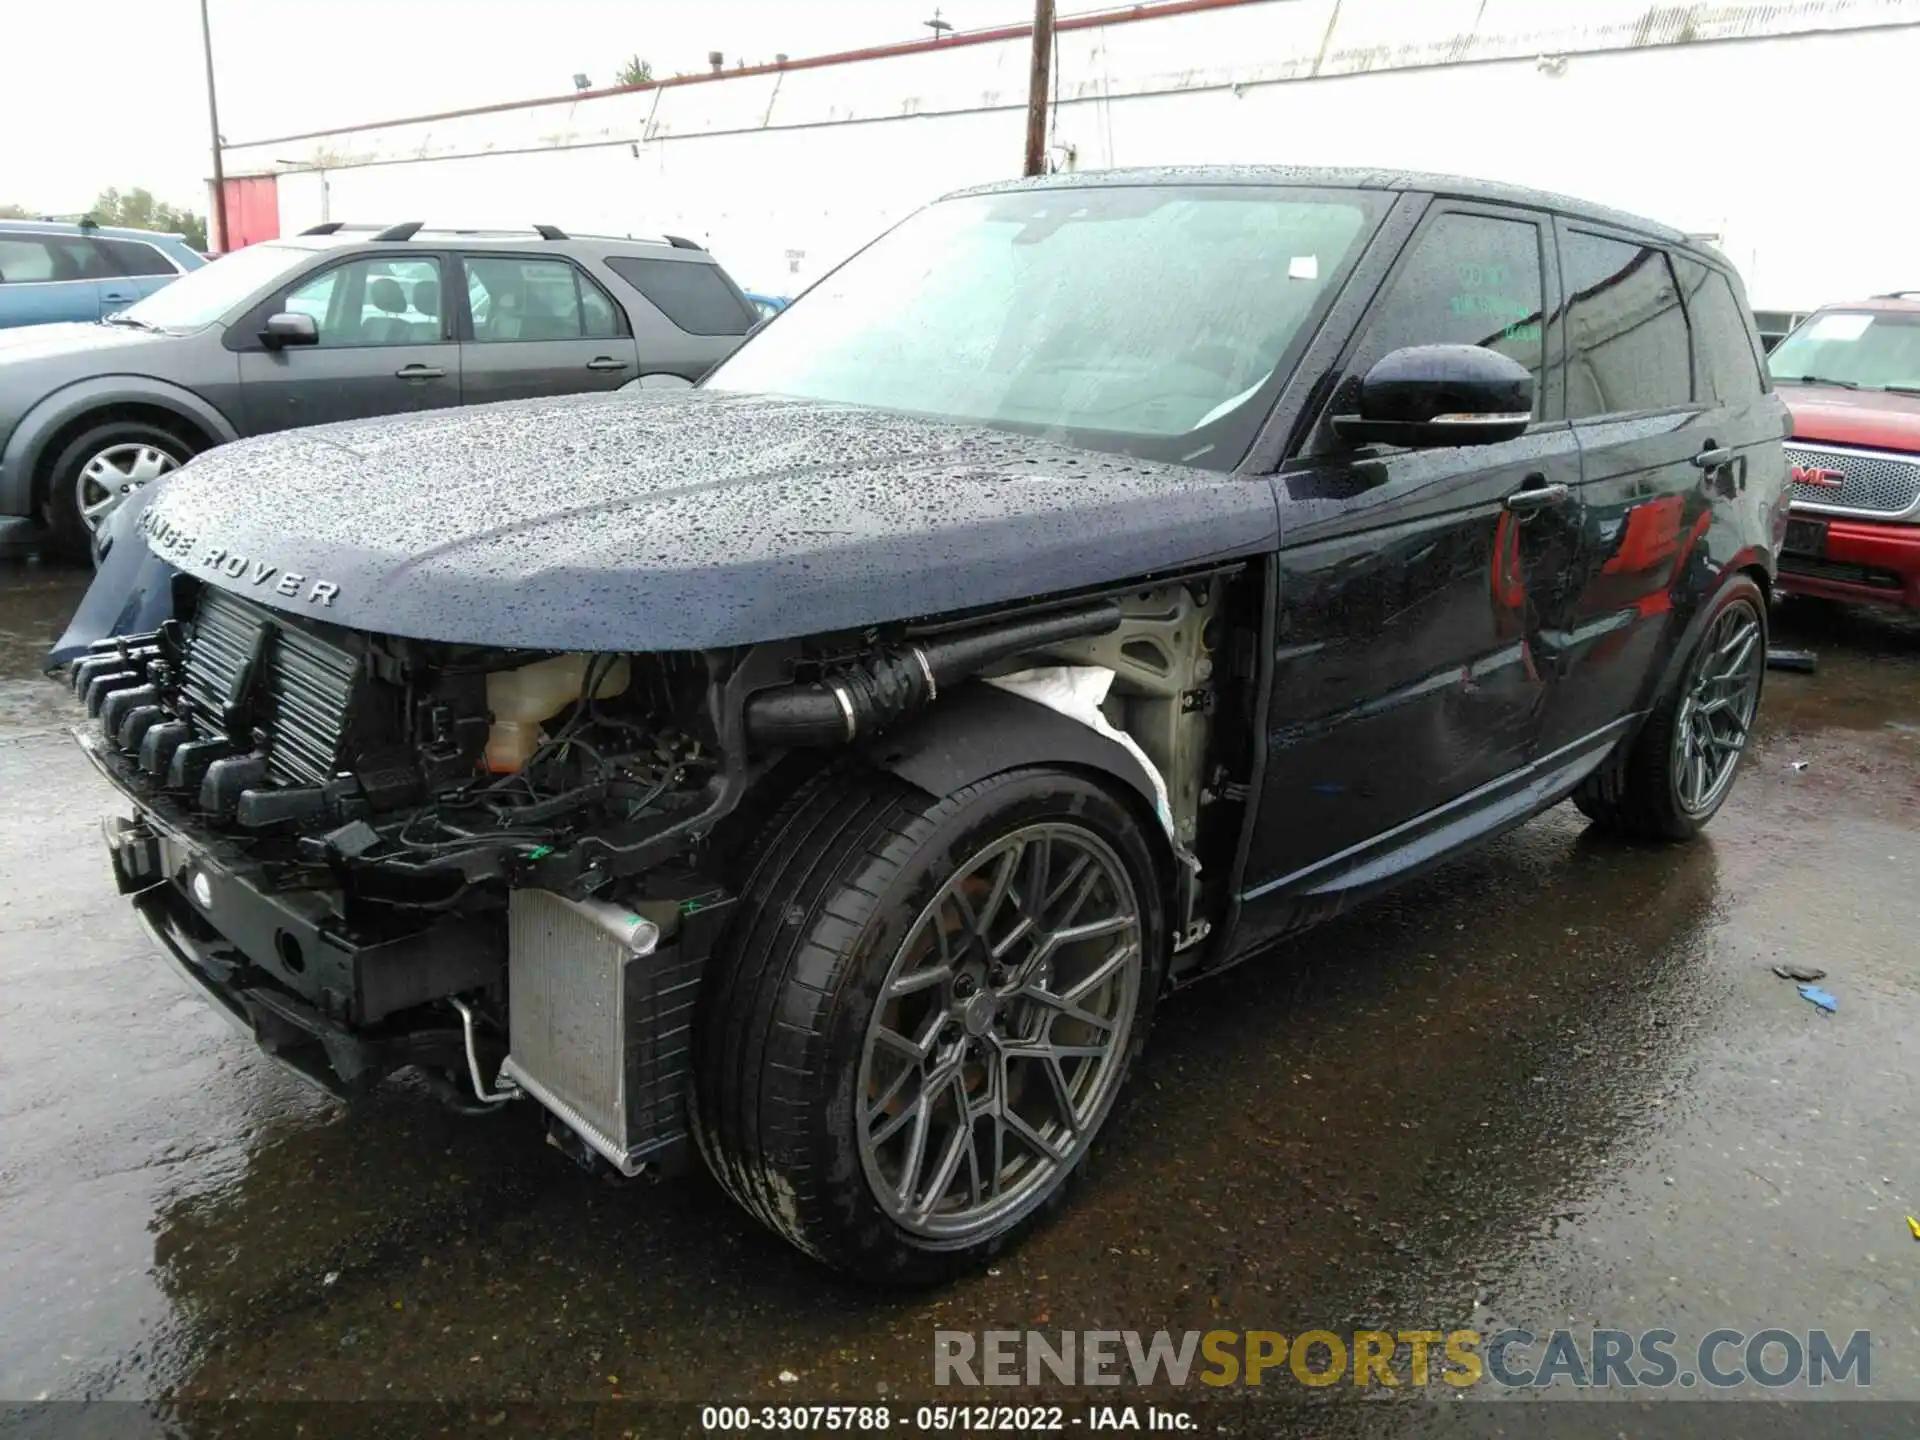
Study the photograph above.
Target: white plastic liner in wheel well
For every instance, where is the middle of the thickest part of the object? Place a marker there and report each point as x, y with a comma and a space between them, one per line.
1077, 691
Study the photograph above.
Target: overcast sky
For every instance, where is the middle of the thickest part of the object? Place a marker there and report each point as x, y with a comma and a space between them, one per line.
112, 92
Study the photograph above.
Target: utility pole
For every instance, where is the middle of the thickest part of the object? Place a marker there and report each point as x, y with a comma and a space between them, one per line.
213, 121
1037, 90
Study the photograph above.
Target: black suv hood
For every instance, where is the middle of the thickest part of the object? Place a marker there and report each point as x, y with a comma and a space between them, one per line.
677, 520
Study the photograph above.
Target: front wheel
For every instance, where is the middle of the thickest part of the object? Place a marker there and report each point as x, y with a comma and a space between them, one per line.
1682, 763
99, 471
923, 1012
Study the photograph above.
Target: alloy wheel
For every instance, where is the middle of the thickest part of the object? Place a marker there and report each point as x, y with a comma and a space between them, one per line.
110, 477
1000, 1034
1716, 715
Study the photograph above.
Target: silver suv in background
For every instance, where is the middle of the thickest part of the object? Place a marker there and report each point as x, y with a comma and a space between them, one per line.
339, 323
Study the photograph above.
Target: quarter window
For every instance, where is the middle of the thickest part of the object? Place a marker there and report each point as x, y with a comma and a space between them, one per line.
514, 299
1472, 280
373, 302
1726, 368
1626, 334
690, 293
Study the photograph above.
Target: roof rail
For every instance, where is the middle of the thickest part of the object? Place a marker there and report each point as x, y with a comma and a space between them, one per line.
680, 242
1899, 295
407, 229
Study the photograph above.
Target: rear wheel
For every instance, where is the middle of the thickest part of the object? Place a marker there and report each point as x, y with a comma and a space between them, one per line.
923, 1012
99, 470
1683, 762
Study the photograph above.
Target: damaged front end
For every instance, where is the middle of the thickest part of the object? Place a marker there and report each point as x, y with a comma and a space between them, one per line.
337, 834
503, 867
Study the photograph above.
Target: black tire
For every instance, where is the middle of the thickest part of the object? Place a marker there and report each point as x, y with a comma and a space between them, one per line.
1638, 795
68, 532
843, 875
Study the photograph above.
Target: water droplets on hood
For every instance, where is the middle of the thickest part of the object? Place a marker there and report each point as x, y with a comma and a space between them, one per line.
677, 519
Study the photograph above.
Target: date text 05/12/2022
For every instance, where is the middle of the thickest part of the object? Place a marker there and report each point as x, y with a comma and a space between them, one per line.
946, 1419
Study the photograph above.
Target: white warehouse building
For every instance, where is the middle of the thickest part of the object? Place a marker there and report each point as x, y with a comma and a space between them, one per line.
1775, 128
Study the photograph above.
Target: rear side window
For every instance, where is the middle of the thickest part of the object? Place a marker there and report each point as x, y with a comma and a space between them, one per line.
133, 257
518, 299
692, 295
1725, 368
1625, 330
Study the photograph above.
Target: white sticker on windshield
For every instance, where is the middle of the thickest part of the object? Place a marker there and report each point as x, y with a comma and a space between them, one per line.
1839, 327
1304, 267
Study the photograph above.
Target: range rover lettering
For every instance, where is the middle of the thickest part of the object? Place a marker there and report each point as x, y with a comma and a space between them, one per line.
826, 769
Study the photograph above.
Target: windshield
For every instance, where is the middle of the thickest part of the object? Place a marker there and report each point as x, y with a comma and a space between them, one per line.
1153, 321
1868, 349
203, 296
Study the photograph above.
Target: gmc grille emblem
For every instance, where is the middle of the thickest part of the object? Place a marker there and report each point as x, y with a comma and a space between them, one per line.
1817, 477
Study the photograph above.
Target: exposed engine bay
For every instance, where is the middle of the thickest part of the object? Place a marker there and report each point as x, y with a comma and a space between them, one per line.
506, 867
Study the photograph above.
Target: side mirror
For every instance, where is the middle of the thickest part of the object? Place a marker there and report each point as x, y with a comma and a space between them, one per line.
288, 328
1427, 396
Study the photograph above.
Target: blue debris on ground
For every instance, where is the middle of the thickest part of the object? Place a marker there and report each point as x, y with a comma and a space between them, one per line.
1820, 997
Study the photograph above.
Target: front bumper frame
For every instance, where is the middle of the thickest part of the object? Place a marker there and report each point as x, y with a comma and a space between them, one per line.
289, 1032
1888, 549
337, 1009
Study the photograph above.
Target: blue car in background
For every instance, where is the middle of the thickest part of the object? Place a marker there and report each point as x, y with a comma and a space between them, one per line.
768, 305
51, 271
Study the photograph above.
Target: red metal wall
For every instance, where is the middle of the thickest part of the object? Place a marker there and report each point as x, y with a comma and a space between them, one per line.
253, 211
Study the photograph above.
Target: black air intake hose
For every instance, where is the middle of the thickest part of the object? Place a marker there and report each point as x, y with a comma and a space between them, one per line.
860, 699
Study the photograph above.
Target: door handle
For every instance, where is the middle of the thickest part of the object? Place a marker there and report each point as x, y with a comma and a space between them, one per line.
119, 299
606, 362
1532, 499
1713, 457
419, 372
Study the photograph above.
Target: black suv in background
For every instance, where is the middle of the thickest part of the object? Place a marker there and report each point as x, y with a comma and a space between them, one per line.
834, 762
341, 323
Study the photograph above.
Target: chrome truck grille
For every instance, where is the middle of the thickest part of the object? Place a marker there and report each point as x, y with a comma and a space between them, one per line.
599, 1023
1872, 482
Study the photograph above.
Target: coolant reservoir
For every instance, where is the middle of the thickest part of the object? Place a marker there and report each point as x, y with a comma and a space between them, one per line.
521, 699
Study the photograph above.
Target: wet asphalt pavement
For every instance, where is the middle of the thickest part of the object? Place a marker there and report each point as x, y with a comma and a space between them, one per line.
1553, 1084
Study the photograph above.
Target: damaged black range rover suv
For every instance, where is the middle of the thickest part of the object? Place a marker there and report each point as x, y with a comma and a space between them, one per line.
1090, 582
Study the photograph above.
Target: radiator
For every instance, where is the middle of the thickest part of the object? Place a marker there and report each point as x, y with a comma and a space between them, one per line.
599, 1018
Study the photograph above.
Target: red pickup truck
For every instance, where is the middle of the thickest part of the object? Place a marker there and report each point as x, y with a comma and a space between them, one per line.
1851, 376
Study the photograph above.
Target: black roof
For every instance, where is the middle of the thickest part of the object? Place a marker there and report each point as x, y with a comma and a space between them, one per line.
1331, 178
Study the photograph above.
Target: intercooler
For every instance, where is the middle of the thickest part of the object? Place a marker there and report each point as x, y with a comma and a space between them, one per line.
600, 1019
